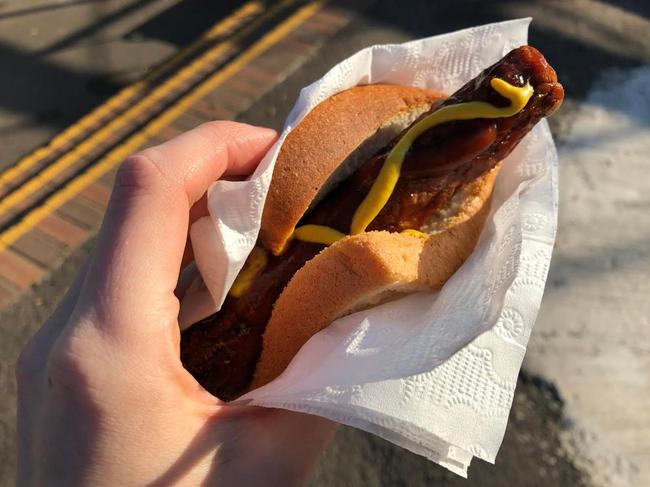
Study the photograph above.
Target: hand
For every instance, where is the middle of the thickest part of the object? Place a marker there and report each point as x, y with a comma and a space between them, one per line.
102, 396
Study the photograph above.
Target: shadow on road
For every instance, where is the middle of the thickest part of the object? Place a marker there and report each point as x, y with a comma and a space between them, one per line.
197, 15
52, 94
37, 89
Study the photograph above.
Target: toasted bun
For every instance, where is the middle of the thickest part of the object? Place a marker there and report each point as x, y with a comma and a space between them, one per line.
364, 270
331, 142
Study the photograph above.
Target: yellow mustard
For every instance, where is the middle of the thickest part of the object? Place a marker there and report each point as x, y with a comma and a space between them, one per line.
256, 262
415, 233
384, 185
317, 234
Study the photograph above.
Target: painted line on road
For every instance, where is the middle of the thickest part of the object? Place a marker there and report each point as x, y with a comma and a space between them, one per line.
70, 158
123, 96
117, 155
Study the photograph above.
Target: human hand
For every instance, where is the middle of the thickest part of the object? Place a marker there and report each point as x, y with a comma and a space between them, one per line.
102, 396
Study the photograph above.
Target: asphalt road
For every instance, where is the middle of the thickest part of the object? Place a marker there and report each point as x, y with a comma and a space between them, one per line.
68, 56
580, 414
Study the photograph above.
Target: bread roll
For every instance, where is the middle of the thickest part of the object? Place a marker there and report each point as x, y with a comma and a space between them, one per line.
326, 147
362, 270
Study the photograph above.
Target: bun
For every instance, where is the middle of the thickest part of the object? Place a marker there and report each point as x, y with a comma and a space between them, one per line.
364, 270
331, 142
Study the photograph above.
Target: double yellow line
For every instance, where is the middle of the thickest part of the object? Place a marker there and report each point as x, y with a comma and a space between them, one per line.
125, 95
117, 155
132, 114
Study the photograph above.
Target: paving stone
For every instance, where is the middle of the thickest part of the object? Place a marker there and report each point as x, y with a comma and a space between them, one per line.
18, 270
63, 230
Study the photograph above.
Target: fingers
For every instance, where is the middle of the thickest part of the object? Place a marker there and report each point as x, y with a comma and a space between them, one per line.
142, 240
198, 210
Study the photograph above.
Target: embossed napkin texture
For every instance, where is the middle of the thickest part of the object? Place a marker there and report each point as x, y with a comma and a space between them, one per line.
432, 372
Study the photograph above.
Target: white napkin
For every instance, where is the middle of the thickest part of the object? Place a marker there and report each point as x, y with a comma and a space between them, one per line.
433, 372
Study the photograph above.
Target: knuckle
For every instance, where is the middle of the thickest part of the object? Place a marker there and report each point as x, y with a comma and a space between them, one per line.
74, 361
215, 125
70, 366
220, 131
138, 172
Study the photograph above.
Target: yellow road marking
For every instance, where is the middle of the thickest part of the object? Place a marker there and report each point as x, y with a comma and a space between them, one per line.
117, 155
86, 146
119, 99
